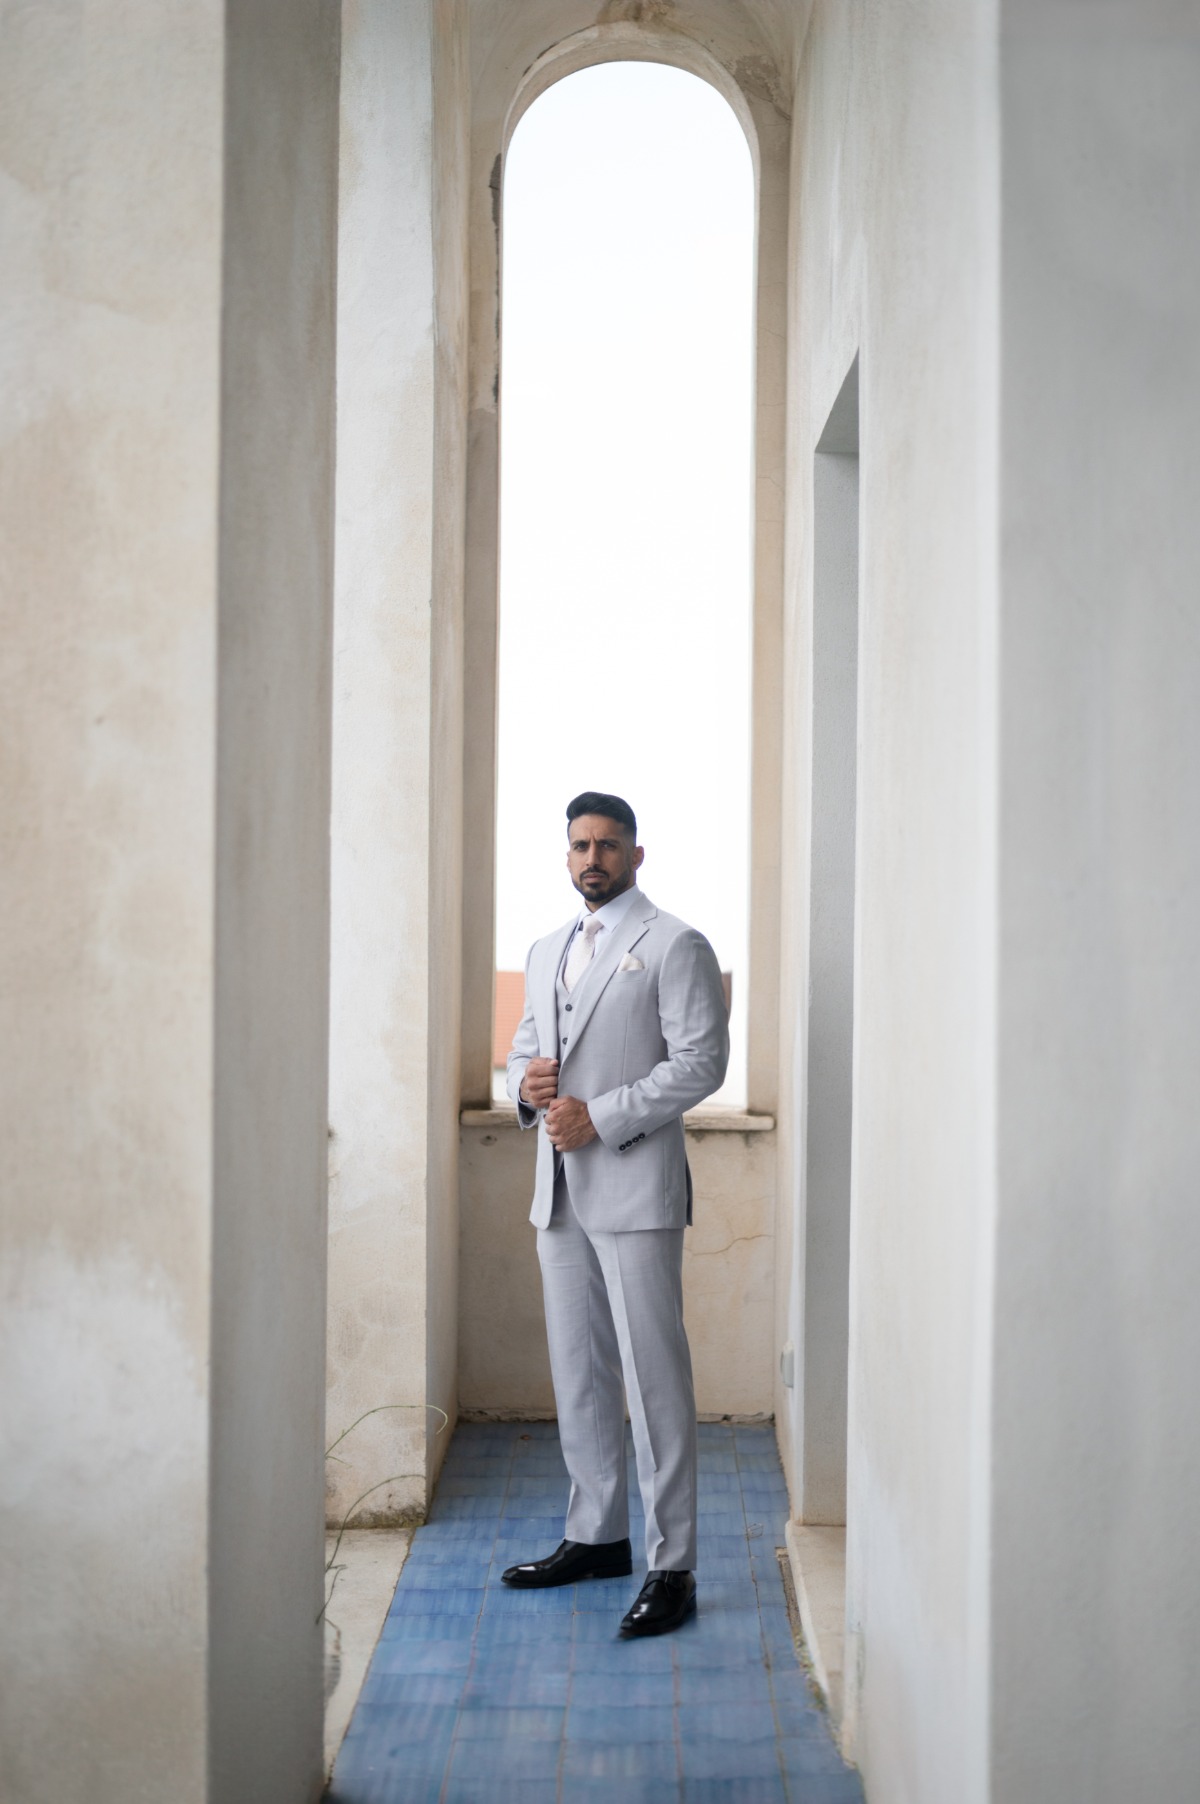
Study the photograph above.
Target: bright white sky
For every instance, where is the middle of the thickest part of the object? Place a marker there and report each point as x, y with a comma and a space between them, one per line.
625, 498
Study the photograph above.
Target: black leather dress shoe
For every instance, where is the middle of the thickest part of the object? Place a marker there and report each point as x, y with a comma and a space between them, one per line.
664, 1601
572, 1561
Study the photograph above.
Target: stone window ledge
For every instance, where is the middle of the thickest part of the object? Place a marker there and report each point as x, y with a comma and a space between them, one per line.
696, 1121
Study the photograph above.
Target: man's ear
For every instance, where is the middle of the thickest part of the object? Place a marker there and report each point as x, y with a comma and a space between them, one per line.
638, 855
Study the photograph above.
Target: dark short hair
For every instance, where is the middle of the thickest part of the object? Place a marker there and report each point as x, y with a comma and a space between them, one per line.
594, 801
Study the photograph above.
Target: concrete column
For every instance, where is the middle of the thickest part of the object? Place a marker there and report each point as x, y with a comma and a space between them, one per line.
1096, 1454
771, 116
165, 487
397, 781
892, 251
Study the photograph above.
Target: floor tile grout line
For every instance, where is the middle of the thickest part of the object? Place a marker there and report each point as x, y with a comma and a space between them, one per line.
470, 1672
768, 1660
677, 1690
560, 1769
787, 1780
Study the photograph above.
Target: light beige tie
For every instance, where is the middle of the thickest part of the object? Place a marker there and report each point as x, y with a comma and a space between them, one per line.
583, 947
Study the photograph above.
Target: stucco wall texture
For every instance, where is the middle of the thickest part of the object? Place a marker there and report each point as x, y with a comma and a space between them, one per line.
894, 222
992, 206
397, 758
169, 193
1098, 1038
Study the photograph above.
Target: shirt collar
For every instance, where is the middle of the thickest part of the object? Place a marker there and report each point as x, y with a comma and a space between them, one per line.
612, 913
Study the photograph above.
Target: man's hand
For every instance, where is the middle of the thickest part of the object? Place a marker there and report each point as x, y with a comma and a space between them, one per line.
568, 1124
539, 1085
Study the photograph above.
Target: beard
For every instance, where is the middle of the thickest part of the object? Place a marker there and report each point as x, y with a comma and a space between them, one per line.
598, 886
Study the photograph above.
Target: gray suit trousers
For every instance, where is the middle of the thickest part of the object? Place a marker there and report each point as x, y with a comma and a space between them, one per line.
614, 1309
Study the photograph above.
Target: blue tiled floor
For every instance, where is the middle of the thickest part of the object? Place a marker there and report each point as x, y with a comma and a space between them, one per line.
481, 1693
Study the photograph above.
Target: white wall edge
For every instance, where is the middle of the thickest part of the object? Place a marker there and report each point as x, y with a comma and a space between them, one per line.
696, 1121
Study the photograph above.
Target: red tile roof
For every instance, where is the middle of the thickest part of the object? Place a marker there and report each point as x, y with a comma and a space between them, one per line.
510, 1006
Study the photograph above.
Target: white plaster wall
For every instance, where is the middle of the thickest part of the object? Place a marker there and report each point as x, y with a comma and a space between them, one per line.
397, 751
164, 483
451, 874
728, 1274
111, 159
1097, 1453
275, 577
893, 221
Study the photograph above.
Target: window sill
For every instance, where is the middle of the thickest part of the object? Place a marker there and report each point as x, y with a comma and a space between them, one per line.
696, 1121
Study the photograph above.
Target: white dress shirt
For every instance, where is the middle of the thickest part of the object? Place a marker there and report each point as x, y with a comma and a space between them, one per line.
610, 916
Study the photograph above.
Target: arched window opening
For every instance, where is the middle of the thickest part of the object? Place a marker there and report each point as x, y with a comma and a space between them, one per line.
626, 413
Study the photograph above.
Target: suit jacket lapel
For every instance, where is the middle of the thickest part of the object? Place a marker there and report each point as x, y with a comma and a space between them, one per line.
627, 935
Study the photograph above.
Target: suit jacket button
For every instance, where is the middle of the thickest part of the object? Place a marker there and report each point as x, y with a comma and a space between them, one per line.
568, 1008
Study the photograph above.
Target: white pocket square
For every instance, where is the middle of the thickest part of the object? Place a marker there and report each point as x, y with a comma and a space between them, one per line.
630, 963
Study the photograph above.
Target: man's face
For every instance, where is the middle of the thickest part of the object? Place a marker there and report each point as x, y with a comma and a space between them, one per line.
601, 858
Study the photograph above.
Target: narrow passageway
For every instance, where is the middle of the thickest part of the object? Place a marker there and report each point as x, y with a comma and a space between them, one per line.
477, 1692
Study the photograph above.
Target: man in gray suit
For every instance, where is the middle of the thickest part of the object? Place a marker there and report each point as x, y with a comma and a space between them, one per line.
624, 1028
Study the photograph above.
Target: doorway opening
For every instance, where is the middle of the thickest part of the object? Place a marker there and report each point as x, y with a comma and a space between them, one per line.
821, 1278
626, 419
825, 1300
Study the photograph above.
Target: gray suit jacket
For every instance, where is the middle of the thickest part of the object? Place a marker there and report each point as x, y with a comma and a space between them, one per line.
645, 1045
